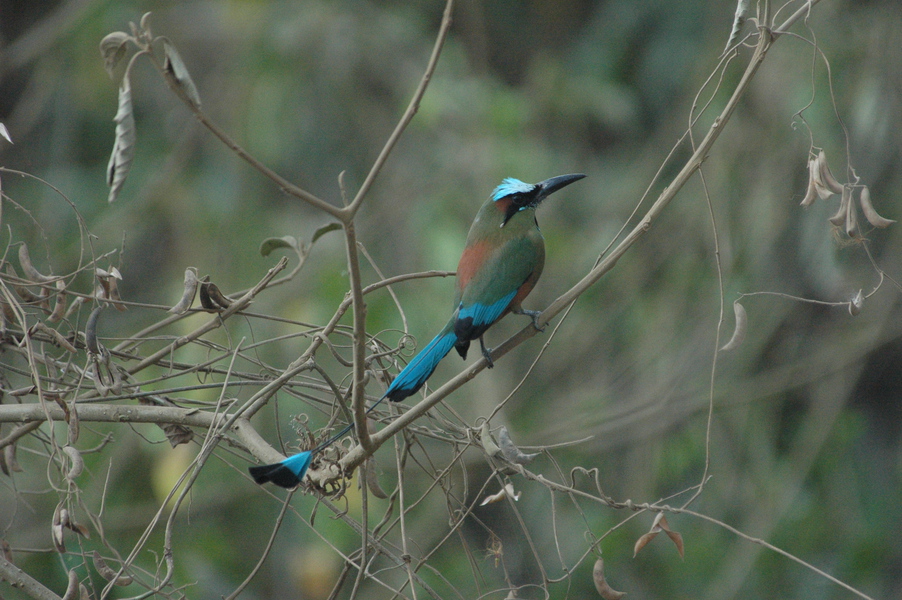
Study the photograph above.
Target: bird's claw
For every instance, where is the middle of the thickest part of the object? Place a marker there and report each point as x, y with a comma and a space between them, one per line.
534, 315
487, 354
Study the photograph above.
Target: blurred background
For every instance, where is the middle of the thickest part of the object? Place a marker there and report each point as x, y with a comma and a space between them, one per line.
805, 445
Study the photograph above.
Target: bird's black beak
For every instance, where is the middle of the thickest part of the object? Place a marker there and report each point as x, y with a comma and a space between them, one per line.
550, 186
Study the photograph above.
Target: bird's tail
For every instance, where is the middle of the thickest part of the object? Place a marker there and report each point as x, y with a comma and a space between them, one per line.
290, 471
418, 370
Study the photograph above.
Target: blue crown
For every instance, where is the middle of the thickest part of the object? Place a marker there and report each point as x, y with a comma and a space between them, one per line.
511, 186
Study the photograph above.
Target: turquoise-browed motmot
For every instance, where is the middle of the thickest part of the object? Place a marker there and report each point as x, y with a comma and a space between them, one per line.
501, 262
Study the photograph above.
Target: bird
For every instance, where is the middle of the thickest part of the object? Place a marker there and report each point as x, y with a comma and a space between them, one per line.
502, 260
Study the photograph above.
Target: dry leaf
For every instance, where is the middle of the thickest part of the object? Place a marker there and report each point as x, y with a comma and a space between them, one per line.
60, 520
124, 146
4, 133
270, 244
856, 303
660, 524
174, 65
506, 492
510, 451
112, 49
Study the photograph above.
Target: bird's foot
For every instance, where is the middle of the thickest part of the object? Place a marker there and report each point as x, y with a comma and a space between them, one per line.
532, 314
487, 353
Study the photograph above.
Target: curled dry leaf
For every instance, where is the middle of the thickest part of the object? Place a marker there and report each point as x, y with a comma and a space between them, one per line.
60, 520
856, 303
739, 331
742, 10
218, 298
4, 133
124, 146
174, 65
175, 434
270, 244
868, 209
112, 49
107, 573
205, 301
660, 524
510, 451
58, 338
602, 585
72, 591
188, 294
320, 232
488, 444
506, 492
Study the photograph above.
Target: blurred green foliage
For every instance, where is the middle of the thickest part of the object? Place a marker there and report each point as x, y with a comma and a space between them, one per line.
806, 448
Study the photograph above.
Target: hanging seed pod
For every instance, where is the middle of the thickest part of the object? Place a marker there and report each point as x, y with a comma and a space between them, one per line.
59, 304
851, 218
488, 444
107, 573
11, 464
72, 592
868, 209
826, 176
188, 294
28, 268
601, 584
372, 479
844, 205
740, 329
91, 331
811, 193
218, 298
76, 462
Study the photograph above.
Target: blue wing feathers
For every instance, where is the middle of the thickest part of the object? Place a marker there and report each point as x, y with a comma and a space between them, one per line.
484, 315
